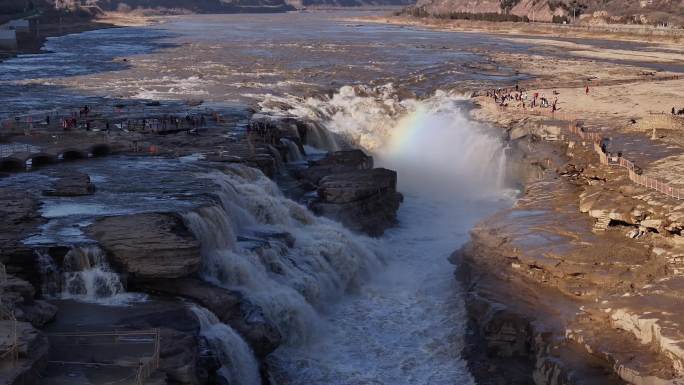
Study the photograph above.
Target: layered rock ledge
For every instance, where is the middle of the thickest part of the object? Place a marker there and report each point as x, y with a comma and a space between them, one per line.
580, 281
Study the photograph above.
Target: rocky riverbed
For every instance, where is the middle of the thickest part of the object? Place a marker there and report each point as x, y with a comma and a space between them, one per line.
162, 253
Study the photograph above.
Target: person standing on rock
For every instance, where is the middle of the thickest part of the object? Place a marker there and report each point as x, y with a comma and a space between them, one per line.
587, 90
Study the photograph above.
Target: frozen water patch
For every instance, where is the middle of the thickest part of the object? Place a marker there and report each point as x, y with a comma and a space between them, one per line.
53, 209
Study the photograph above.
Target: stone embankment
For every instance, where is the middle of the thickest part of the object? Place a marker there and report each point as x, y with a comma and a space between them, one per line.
581, 281
155, 252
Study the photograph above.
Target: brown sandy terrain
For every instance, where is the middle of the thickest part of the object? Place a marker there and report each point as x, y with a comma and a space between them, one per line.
609, 32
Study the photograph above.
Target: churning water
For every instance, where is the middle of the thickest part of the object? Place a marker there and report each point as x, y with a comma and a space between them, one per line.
406, 324
238, 363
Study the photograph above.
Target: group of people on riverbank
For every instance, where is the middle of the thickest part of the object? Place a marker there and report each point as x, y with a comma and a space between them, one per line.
677, 111
161, 123
521, 98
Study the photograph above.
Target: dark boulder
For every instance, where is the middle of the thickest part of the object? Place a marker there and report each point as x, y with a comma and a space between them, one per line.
71, 185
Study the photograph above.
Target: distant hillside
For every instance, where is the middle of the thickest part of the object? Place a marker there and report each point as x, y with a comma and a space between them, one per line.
195, 6
211, 6
348, 3
653, 12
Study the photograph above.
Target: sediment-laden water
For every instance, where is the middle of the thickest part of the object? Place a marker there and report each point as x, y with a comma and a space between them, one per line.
352, 309
406, 324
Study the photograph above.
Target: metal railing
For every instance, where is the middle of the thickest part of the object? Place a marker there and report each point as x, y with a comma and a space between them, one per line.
11, 351
3, 273
633, 171
14, 148
596, 140
144, 367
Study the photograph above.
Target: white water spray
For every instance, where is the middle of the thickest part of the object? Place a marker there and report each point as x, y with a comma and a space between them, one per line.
293, 153
237, 359
276, 252
406, 325
84, 275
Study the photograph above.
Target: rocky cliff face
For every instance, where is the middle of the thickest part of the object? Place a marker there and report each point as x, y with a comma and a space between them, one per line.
556, 295
585, 11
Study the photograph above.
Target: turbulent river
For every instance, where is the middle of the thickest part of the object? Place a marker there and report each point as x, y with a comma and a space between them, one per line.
373, 311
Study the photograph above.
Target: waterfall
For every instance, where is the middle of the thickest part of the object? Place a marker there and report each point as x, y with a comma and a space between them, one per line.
407, 324
277, 157
239, 366
503, 167
293, 153
50, 276
87, 275
319, 137
431, 142
84, 275
275, 251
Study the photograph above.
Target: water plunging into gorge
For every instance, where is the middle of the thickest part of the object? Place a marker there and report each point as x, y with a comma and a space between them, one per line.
354, 309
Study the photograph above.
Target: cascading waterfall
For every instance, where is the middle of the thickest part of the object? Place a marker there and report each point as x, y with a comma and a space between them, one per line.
275, 251
237, 359
84, 275
406, 325
293, 153
432, 134
88, 276
50, 275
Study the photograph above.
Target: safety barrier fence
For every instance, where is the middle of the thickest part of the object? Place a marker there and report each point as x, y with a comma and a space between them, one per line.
143, 368
14, 148
3, 273
662, 121
129, 117
11, 350
634, 172
597, 139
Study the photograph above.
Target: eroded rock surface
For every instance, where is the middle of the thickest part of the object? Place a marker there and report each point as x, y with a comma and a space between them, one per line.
351, 191
229, 306
363, 200
149, 245
32, 353
579, 282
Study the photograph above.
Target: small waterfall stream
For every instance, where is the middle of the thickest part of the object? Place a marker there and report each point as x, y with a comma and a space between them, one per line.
85, 275
293, 153
276, 252
238, 363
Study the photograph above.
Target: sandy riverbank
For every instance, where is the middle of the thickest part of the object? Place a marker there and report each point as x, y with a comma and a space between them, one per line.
608, 32
54, 28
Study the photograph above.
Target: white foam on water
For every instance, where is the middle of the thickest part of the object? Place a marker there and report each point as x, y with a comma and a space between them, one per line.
237, 359
406, 325
289, 261
56, 209
85, 275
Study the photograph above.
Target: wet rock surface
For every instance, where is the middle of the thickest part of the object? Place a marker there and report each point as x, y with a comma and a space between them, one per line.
71, 185
19, 218
32, 346
364, 200
148, 245
351, 191
229, 306
18, 297
577, 283
179, 344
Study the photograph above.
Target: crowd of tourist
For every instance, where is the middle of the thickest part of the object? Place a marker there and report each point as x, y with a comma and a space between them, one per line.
521, 98
82, 119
